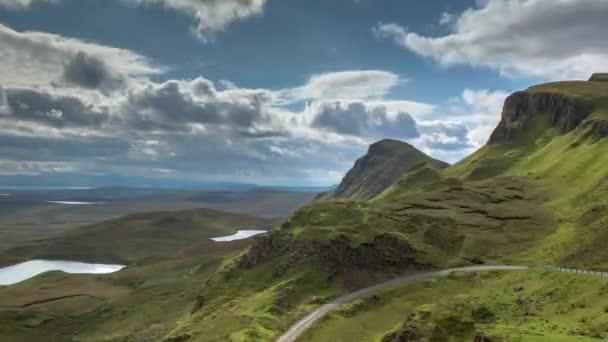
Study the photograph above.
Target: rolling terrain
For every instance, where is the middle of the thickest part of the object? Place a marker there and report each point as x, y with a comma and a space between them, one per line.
169, 255
25, 218
535, 194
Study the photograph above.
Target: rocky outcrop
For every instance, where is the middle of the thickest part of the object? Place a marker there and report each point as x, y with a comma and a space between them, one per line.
266, 247
596, 129
385, 251
383, 165
565, 113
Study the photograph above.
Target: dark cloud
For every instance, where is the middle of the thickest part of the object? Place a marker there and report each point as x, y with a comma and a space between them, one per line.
358, 119
174, 104
91, 72
53, 110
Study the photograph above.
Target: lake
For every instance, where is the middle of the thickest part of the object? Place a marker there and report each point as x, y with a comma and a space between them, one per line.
17, 273
240, 235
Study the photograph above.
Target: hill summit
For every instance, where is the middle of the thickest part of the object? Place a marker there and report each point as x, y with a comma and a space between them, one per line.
599, 77
385, 162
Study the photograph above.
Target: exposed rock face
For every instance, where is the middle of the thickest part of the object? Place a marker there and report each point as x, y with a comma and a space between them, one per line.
565, 114
382, 166
596, 129
385, 251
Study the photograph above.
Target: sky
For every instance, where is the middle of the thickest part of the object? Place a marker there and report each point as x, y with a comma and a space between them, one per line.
272, 92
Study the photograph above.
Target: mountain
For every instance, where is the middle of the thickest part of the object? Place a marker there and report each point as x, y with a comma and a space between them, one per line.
535, 194
385, 162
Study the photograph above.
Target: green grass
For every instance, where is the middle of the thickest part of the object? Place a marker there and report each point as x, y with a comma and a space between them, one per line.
524, 306
169, 257
576, 89
599, 77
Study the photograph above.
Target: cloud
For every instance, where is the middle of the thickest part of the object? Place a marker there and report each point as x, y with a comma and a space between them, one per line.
91, 72
211, 15
95, 109
55, 111
519, 38
361, 84
32, 58
361, 119
22, 4
32, 168
179, 104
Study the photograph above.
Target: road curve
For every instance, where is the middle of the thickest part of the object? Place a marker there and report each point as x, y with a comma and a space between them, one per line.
305, 323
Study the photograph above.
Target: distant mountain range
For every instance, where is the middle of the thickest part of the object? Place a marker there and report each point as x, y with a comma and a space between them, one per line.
73, 180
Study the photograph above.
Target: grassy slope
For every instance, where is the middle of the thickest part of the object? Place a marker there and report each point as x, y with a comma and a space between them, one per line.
524, 306
141, 303
537, 199
570, 173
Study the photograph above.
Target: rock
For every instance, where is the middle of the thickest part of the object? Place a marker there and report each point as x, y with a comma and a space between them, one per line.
565, 114
199, 302
383, 165
385, 250
596, 129
179, 338
482, 314
266, 247
407, 333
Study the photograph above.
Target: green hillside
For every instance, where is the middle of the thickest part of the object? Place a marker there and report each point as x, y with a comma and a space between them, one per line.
535, 194
169, 255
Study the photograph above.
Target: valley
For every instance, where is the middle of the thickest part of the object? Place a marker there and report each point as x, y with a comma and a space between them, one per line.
398, 252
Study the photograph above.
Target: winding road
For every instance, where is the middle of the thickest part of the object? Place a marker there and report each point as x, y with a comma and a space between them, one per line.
307, 322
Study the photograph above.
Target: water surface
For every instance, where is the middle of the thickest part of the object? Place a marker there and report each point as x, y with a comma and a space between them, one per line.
240, 235
17, 273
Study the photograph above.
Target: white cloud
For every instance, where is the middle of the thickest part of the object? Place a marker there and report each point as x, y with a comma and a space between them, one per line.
22, 4
10, 167
58, 100
35, 59
550, 39
351, 85
211, 15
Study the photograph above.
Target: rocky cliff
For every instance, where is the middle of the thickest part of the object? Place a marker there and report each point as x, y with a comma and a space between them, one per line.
383, 165
565, 113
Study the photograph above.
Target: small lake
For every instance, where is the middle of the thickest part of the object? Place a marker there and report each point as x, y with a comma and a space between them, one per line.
17, 273
240, 235
73, 203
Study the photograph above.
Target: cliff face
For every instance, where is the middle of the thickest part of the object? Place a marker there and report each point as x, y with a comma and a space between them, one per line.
385, 162
565, 113
385, 252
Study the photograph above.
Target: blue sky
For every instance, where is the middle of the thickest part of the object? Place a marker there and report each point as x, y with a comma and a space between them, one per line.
282, 92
